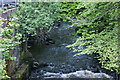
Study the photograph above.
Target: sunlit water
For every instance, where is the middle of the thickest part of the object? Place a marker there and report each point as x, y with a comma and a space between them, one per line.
60, 59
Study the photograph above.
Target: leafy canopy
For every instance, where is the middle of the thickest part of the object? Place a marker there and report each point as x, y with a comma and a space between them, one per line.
98, 25
36, 16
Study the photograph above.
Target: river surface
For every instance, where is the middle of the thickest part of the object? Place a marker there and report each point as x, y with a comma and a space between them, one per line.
60, 59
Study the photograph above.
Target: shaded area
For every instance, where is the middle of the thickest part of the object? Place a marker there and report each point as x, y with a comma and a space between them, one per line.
58, 58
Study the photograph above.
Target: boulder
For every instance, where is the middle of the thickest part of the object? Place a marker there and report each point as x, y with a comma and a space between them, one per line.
37, 64
49, 41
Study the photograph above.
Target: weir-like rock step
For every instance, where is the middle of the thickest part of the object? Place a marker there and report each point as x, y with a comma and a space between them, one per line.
77, 74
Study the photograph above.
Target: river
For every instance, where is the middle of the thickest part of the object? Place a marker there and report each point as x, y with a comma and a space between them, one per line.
60, 59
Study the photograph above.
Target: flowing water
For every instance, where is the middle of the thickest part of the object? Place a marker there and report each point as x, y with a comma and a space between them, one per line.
60, 59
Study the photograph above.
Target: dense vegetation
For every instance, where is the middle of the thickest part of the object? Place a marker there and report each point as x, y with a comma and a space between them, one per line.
8, 41
31, 19
36, 19
98, 26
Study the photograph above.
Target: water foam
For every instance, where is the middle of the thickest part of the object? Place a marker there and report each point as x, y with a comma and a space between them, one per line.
77, 74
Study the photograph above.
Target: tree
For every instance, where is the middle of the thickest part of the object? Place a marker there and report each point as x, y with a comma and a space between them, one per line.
98, 24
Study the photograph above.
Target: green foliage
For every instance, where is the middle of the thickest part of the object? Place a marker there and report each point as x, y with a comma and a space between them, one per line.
98, 25
31, 17
37, 16
2, 71
69, 10
7, 43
